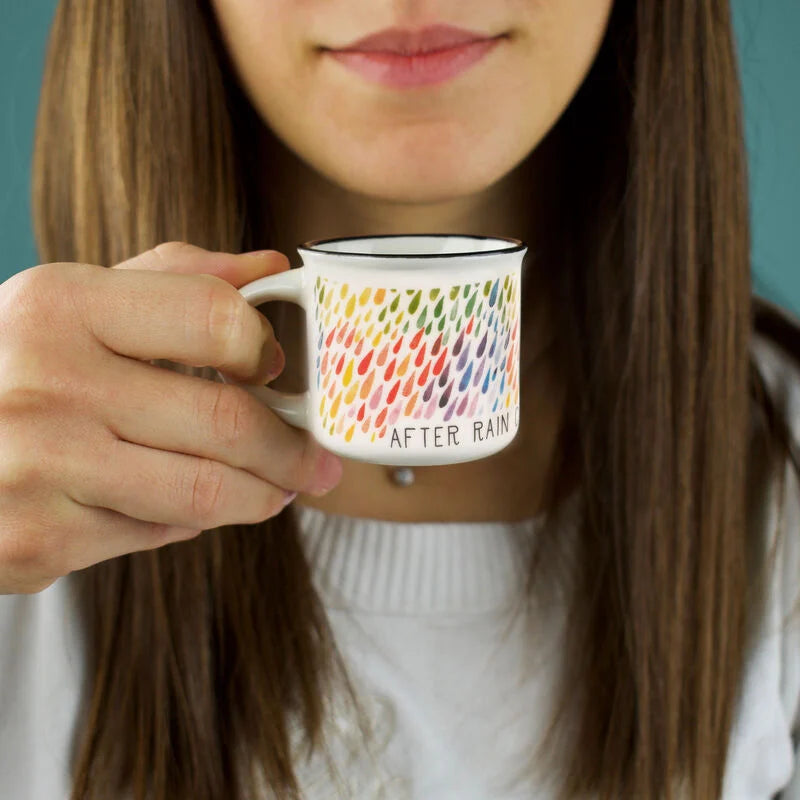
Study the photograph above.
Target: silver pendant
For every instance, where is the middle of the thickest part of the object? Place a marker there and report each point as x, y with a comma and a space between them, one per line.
403, 476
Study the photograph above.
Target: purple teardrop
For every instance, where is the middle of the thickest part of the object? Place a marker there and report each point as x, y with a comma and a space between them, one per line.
462, 359
446, 395
459, 343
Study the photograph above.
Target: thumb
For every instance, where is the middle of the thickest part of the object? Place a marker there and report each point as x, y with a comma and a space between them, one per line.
236, 269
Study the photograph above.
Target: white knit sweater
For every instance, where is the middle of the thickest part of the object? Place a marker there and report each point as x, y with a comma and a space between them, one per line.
458, 689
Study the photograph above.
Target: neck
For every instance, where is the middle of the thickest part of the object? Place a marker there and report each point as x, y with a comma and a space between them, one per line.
304, 205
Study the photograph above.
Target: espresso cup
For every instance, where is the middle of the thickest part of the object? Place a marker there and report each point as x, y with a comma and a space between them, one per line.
412, 345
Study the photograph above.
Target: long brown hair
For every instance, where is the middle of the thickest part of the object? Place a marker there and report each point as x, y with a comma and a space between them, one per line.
206, 649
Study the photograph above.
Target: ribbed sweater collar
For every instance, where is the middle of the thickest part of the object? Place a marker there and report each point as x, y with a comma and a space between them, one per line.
390, 567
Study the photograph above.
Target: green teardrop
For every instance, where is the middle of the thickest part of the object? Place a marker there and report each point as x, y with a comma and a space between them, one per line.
470, 304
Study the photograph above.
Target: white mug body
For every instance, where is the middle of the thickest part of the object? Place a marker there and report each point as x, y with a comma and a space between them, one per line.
413, 346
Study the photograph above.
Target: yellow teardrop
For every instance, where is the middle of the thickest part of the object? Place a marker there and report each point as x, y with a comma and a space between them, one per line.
348, 373
351, 393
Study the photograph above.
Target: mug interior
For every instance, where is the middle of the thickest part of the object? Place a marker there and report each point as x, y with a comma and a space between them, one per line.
415, 245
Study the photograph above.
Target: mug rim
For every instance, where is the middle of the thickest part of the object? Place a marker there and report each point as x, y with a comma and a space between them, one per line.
518, 245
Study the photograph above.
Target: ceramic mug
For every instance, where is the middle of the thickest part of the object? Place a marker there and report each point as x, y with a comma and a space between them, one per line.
412, 345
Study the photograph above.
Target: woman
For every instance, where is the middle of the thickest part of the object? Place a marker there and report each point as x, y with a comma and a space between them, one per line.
598, 610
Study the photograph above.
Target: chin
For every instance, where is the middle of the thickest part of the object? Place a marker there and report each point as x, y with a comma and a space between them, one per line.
426, 189
418, 178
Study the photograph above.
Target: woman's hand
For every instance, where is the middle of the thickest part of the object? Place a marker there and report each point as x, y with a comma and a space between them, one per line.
102, 453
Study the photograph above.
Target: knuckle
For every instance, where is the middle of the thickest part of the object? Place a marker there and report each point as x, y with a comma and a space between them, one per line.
166, 252
17, 397
207, 492
23, 553
228, 414
24, 293
34, 279
31, 383
40, 309
226, 318
18, 475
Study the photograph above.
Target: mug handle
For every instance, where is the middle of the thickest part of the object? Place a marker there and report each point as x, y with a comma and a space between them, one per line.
286, 285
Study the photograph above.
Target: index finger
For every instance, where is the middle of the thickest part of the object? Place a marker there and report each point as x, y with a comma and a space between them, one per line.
198, 320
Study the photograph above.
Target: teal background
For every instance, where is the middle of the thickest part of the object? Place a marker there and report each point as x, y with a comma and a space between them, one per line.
769, 48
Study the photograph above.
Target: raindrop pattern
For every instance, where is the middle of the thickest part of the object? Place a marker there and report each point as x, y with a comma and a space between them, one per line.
384, 355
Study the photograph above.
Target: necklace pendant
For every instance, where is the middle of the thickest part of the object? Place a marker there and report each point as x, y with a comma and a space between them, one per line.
403, 476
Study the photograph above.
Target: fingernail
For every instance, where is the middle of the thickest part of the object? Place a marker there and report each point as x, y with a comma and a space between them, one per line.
257, 253
289, 497
278, 363
328, 474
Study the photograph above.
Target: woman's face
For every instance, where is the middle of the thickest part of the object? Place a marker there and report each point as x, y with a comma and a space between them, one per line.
416, 136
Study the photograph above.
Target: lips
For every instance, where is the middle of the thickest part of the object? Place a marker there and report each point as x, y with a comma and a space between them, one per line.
408, 42
404, 59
